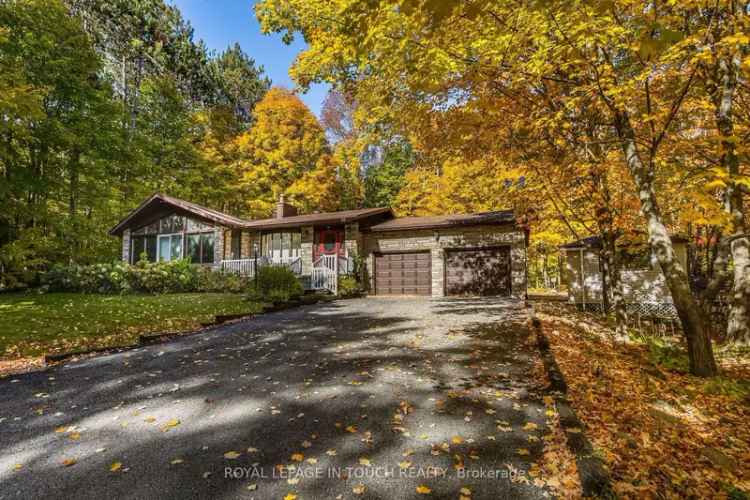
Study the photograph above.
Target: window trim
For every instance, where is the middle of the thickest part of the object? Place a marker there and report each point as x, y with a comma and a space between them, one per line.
170, 236
201, 256
269, 239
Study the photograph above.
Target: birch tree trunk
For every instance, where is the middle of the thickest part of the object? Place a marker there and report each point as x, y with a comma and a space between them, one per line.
738, 322
700, 351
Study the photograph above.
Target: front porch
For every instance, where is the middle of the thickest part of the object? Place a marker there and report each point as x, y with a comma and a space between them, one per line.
316, 254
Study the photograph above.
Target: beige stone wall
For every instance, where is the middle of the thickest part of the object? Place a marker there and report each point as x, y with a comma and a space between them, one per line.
126, 246
219, 235
352, 239
250, 239
438, 240
306, 249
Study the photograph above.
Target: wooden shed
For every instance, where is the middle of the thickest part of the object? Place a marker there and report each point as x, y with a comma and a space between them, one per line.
644, 288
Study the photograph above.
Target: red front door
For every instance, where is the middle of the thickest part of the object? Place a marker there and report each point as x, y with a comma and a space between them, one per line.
329, 241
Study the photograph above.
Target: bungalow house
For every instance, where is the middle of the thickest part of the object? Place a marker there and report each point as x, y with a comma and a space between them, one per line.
474, 254
643, 286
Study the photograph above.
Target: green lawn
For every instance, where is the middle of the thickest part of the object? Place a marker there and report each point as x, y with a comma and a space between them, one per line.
31, 325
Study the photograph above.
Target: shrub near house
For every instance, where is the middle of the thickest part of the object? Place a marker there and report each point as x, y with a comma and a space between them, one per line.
143, 277
275, 284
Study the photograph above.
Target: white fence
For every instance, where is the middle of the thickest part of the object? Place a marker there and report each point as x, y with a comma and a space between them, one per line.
342, 265
323, 278
293, 263
243, 267
247, 267
324, 274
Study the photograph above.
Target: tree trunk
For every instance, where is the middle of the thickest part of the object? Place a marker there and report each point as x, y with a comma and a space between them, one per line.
615, 283
700, 351
738, 322
612, 284
74, 179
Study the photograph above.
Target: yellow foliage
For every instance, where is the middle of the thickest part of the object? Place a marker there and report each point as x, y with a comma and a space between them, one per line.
285, 152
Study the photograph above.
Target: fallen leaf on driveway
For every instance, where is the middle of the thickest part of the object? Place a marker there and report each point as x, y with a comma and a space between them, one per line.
231, 455
457, 440
170, 424
364, 461
290, 496
176, 461
298, 457
404, 465
69, 461
530, 426
523, 451
423, 490
115, 467
359, 489
252, 487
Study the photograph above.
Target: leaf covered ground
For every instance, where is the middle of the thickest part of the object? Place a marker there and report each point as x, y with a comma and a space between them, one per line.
37, 324
660, 431
365, 398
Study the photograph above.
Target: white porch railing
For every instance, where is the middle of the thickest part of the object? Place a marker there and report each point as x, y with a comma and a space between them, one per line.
293, 263
247, 267
325, 273
327, 261
323, 278
346, 265
341, 264
243, 267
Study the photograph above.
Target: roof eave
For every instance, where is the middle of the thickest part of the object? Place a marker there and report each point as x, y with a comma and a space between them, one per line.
441, 226
122, 225
312, 222
119, 228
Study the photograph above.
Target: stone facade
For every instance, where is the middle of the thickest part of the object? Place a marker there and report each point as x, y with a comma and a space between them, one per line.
249, 240
126, 246
352, 239
218, 246
438, 240
365, 244
306, 249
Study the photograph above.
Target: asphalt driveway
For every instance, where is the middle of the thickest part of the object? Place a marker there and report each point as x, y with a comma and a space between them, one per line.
366, 398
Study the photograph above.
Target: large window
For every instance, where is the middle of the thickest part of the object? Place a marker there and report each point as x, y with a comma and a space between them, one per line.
170, 247
236, 247
174, 237
140, 245
281, 244
200, 248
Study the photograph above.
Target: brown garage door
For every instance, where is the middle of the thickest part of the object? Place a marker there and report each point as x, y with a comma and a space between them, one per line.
403, 274
478, 271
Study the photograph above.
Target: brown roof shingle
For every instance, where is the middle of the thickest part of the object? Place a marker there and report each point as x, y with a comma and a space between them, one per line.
341, 217
158, 200
441, 221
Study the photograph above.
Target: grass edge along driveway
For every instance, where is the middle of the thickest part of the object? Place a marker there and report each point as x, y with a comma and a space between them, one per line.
38, 324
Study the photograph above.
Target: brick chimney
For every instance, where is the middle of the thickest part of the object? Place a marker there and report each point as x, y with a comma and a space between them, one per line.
284, 209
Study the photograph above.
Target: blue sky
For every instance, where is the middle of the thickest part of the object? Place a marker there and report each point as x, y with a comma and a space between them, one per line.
220, 23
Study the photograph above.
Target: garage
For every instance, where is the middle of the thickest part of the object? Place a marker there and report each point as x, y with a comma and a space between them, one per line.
403, 273
478, 271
